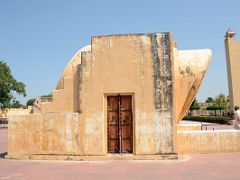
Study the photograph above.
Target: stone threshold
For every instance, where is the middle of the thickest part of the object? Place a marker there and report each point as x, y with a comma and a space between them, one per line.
95, 158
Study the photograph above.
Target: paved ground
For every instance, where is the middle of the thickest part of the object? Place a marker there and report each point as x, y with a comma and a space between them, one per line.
208, 126
212, 126
192, 167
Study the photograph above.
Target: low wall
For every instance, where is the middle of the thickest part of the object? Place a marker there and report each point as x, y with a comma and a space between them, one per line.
59, 136
189, 127
16, 111
3, 125
208, 141
47, 133
50, 134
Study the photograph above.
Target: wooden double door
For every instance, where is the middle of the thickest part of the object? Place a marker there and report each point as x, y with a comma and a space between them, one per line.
119, 124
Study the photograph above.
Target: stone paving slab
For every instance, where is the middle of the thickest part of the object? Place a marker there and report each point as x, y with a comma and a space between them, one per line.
206, 126
193, 167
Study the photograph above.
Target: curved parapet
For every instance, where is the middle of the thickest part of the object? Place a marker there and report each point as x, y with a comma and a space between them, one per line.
190, 67
68, 71
66, 91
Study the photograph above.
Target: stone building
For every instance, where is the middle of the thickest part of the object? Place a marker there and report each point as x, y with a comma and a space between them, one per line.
232, 48
121, 94
15, 111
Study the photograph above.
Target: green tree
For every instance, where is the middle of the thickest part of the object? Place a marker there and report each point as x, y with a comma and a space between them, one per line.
214, 108
30, 102
16, 104
8, 85
221, 100
219, 103
209, 100
194, 106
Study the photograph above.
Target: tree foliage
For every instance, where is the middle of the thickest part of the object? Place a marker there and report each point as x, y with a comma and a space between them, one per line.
195, 105
219, 103
8, 85
221, 100
215, 107
30, 102
209, 100
16, 104
46, 96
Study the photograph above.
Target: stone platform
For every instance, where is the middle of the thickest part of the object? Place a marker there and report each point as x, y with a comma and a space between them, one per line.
96, 158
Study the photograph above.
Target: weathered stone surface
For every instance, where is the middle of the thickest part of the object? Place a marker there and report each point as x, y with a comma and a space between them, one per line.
193, 142
44, 133
161, 80
68, 71
189, 67
232, 49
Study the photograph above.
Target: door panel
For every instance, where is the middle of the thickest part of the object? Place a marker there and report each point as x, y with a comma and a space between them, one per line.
119, 119
113, 124
126, 124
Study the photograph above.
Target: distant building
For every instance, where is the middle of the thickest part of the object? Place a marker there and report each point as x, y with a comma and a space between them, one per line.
15, 111
232, 48
204, 112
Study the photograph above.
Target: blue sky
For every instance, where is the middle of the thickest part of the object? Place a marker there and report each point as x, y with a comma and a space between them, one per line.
38, 38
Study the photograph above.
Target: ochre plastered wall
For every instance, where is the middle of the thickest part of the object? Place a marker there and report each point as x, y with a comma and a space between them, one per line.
60, 134
15, 111
63, 99
124, 64
46, 133
68, 71
162, 81
219, 141
189, 127
190, 67
232, 48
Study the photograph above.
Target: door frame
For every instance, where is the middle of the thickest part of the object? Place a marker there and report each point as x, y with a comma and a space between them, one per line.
106, 123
